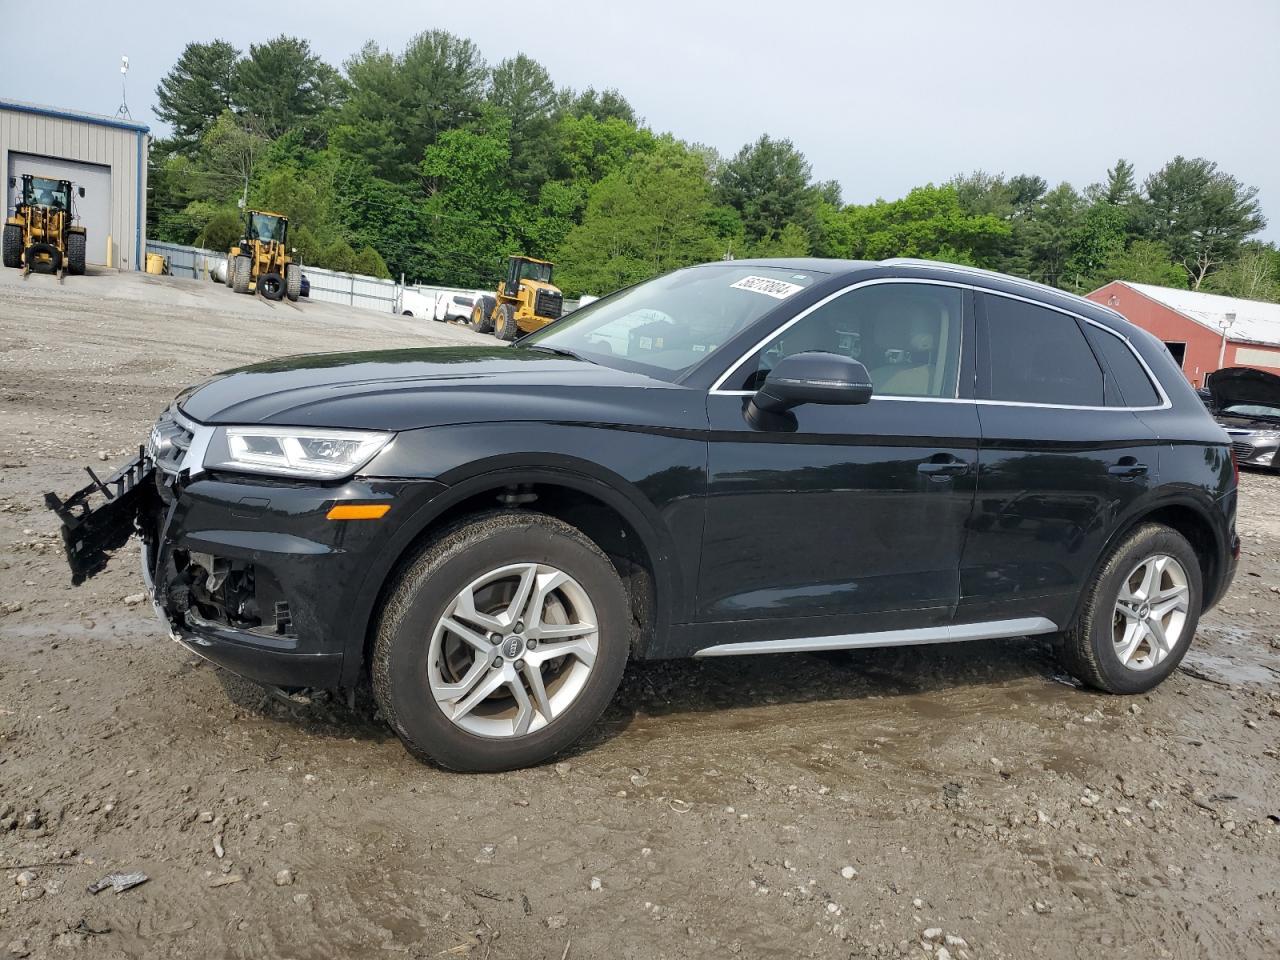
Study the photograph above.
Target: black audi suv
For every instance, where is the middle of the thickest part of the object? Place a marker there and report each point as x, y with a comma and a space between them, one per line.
736, 458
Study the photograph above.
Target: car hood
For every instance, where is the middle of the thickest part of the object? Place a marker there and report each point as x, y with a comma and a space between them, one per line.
412, 388
1244, 385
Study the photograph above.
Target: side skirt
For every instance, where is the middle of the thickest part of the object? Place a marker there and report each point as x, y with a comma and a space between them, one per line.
951, 633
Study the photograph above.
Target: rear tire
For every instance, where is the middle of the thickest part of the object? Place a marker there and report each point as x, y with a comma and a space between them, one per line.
506, 328
242, 275
482, 315
416, 651
12, 245
1139, 613
75, 253
292, 281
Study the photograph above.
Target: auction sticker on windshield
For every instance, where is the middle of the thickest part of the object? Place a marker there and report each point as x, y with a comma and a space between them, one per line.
778, 289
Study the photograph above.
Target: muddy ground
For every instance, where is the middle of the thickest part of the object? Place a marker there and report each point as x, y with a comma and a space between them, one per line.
935, 801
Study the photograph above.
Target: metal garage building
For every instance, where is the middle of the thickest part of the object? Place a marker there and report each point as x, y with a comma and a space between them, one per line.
105, 155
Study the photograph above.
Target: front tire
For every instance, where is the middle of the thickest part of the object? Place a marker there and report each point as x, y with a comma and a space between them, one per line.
292, 281
12, 245
1139, 614
506, 327
559, 614
242, 274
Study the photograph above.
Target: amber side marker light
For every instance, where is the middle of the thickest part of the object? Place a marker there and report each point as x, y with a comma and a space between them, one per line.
358, 511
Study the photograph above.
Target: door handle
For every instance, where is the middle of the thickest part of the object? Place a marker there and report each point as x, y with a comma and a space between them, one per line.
943, 465
1127, 468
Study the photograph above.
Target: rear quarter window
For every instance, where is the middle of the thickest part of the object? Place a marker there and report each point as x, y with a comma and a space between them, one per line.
1136, 388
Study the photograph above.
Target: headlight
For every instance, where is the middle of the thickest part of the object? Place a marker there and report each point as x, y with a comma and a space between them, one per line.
294, 451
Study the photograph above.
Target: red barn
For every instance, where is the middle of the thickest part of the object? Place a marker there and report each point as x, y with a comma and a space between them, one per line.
1203, 331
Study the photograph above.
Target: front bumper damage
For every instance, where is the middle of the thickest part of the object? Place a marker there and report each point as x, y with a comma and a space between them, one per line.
246, 572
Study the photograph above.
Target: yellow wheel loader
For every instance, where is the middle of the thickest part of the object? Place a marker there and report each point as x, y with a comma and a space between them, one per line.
260, 262
525, 301
41, 234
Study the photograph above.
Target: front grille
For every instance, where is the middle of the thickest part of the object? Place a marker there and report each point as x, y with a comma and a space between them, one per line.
548, 304
1242, 450
168, 443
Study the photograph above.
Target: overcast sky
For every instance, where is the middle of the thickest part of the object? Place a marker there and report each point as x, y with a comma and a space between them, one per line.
880, 96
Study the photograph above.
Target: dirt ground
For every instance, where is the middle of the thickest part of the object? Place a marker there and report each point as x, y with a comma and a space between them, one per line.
962, 801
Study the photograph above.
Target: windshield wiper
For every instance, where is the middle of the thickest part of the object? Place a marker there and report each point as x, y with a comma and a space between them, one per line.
558, 351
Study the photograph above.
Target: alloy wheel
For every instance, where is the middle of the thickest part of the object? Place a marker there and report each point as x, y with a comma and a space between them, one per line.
513, 650
1151, 612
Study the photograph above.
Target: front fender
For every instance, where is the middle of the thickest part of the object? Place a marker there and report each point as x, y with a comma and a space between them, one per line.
655, 481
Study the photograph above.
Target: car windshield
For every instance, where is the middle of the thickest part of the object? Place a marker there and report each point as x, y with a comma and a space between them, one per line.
669, 324
264, 227
47, 193
1253, 410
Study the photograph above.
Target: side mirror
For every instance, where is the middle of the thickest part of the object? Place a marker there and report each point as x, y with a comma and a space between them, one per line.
813, 377
82, 191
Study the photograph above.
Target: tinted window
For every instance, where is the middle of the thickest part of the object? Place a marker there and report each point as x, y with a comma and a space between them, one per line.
1135, 386
907, 335
1039, 356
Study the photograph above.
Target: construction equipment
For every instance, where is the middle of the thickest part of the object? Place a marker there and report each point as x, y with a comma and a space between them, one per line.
526, 300
42, 233
260, 262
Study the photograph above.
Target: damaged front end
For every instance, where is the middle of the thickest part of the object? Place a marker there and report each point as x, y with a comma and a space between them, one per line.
247, 571
91, 530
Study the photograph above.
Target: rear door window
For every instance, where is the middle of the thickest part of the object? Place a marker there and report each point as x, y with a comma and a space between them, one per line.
1038, 355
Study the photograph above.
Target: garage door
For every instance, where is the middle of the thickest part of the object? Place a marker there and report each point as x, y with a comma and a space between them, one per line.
93, 209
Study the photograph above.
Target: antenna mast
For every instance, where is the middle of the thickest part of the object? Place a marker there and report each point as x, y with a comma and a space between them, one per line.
123, 110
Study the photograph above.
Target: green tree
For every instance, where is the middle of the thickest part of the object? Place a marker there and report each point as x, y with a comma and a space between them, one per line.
769, 183
1098, 235
229, 152
655, 215
603, 105
790, 241
589, 149
284, 85
1122, 186
474, 214
1202, 214
195, 92
928, 222
1253, 275
1044, 236
1145, 261
522, 89
222, 226
399, 104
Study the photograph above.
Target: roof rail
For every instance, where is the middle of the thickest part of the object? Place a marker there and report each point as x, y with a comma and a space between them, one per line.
996, 275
